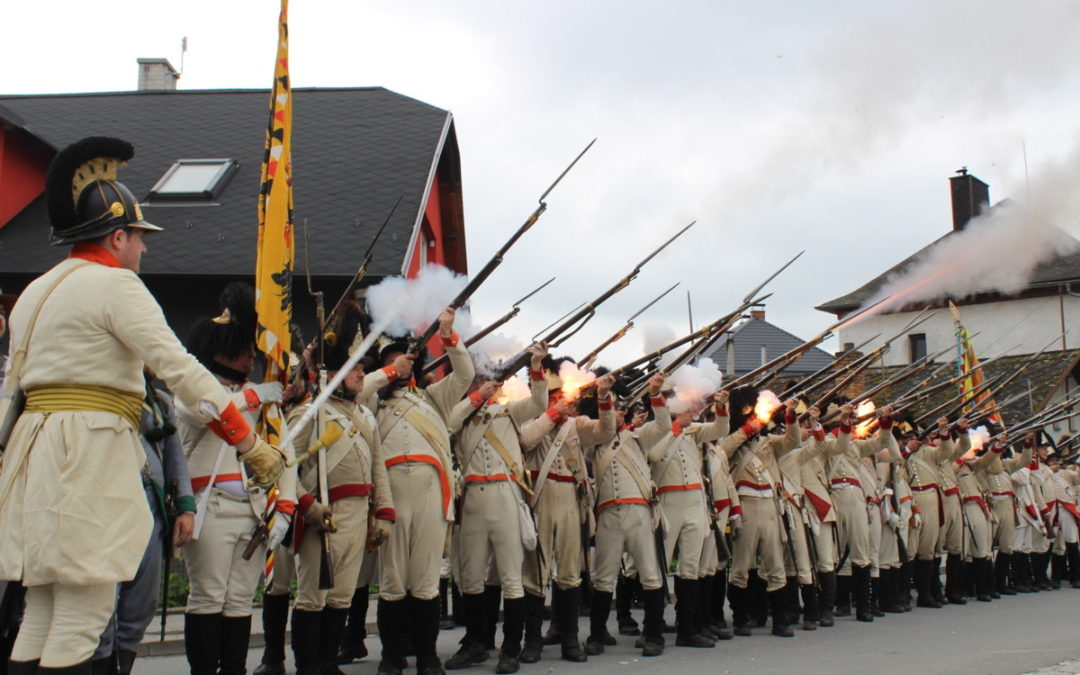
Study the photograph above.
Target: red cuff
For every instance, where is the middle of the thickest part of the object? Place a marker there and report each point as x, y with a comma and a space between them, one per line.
736, 510
476, 399
721, 410
391, 373
605, 403
536, 375
885, 422
845, 428
1029, 444
305, 502
997, 450
286, 507
790, 418
554, 415
386, 514
657, 401
819, 435
676, 429
449, 341
232, 426
252, 399
748, 429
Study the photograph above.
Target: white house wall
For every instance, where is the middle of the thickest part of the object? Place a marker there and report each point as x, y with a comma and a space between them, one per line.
1022, 326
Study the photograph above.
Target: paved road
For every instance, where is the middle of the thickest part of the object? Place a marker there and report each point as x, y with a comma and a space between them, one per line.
1013, 635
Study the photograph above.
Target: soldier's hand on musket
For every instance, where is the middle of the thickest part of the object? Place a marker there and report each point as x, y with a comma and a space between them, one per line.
487, 389
278, 529
562, 407
538, 350
846, 411
446, 322
962, 424
381, 533
318, 516
604, 385
791, 404
260, 394
943, 423
656, 384
639, 418
183, 528
1029, 438
404, 365
264, 462
720, 398
887, 411
814, 413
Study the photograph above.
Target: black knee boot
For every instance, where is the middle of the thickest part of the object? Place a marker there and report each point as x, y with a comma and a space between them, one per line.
778, 607
569, 605
1058, 570
937, 591
891, 602
275, 616
904, 583
827, 599
984, 579
843, 595
306, 629
598, 616
1040, 561
1072, 558
456, 611
392, 617
492, 601
653, 625
445, 622
757, 599
875, 595
719, 598
534, 620
202, 641
1002, 573
811, 612
352, 640
703, 622
623, 602
740, 612
954, 579
472, 649
792, 600
424, 616
687, 599
860, 592
513, 628
923, 571
333, 625
235, 636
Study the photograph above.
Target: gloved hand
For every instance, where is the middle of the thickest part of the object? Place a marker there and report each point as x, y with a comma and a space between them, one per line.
894, 521
319, 517
736, 523
278, 530
379, 534
264, 463
917, 519
260, 394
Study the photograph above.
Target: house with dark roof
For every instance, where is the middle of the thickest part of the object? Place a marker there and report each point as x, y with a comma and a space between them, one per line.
753, 342
1043, 315
196, 170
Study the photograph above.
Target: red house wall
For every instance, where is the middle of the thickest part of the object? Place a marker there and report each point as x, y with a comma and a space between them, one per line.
23, 162
432, 226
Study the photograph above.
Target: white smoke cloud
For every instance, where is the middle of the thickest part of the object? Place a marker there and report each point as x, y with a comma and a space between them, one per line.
693, 384
491, 350
417, 302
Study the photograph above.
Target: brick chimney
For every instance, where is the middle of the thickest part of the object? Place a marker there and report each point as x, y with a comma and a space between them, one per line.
758, 312
970, 196
157, 75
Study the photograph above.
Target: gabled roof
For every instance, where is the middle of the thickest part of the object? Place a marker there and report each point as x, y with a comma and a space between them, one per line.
355, 151
748, 338
1064, 267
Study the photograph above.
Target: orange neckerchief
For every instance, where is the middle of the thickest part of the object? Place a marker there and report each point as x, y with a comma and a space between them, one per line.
84, 250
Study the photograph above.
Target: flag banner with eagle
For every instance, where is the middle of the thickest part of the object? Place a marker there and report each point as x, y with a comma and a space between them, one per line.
274, 263
966, 362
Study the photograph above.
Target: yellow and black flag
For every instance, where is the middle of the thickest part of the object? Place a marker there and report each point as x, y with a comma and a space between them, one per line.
276, 252
967, 362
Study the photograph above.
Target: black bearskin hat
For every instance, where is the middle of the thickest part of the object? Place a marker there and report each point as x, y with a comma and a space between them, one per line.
230, 333
348, 331
740, 398
84, 199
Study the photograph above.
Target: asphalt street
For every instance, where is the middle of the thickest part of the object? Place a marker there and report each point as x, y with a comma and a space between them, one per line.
1014, 635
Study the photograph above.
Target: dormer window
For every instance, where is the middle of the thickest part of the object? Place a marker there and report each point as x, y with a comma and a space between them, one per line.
200, 180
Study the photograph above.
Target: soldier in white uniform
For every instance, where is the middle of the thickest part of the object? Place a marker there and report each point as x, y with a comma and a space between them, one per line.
81, 335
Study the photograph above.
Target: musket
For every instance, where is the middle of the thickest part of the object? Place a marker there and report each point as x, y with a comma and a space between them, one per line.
936, 411
901, 547
361, 272
1013, 375
711, 331
863, 363
474, 283
559, 334
487, 330
619, 334
804, 385
1036, 420
167, 552
722, 552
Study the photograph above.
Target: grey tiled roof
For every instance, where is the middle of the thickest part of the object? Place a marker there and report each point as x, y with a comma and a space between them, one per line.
749, 337
354, 152
1063, 267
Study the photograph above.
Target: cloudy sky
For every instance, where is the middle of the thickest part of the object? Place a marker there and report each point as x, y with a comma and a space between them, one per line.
779, 126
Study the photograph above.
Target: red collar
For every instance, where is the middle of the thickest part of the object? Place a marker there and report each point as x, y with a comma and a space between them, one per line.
84, 250
1034, 466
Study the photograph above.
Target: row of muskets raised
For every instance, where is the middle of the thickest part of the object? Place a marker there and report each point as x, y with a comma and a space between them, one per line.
818, 388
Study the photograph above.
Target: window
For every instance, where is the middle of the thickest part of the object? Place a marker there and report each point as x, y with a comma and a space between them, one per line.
193, 180
917, 346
